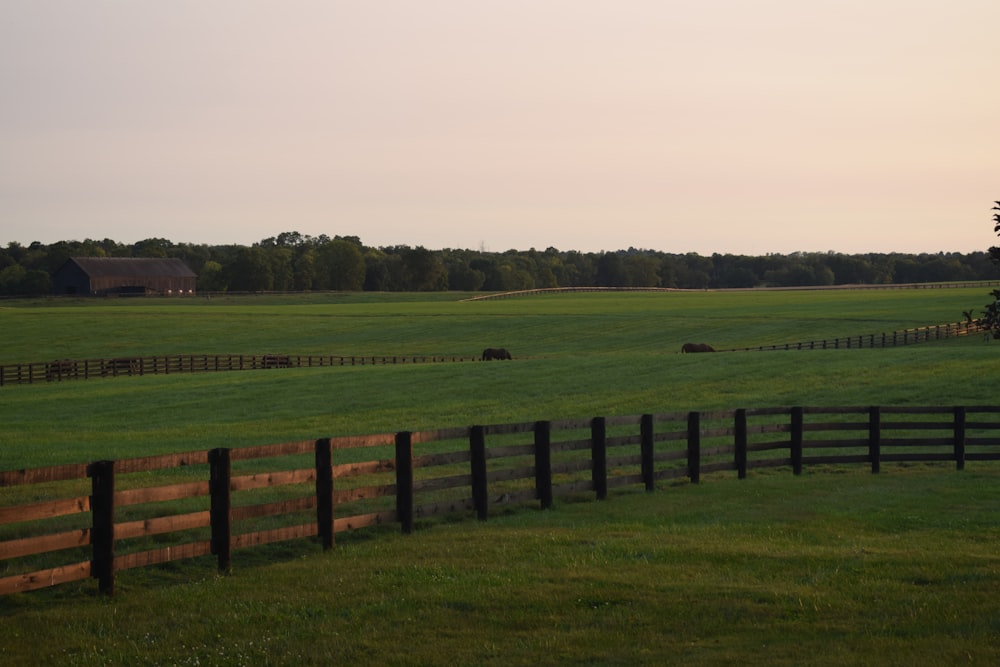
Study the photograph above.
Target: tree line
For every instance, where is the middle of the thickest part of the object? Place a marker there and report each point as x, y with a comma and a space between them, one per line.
292, 261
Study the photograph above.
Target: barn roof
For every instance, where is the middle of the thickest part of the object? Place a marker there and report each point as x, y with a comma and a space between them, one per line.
107, 267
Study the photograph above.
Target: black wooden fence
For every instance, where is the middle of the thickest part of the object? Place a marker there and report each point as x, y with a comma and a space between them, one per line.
93, 520
890, 339
59, 370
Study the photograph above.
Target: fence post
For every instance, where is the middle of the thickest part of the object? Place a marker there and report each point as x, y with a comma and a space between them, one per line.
874, 437
599, 456
959, 438
404, 480
324, 493
543, 463
694, 446
740, 442
796, 444
221, 507
102, 534
646, 450
480, 497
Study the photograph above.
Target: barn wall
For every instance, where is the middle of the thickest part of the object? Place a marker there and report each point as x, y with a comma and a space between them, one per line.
70, 279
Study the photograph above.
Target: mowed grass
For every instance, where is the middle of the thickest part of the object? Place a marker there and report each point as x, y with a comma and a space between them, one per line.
823, 569
578, 355
837, 566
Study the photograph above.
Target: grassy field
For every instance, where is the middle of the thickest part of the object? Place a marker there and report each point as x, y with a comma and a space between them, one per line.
576, 356
835, 567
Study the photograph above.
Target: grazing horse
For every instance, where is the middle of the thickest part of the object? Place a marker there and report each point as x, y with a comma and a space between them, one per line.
697, 347
491, 353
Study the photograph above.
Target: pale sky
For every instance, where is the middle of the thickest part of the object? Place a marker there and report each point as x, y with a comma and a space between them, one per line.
731, 126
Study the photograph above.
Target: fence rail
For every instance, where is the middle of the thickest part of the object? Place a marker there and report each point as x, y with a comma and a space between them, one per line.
59, 370
93, 520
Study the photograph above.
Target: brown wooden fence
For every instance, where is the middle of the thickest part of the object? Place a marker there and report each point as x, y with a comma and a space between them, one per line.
93, 520
58, 370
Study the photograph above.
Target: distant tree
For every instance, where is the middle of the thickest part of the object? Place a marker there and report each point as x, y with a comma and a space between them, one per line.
304, 268
12, 279
991, 316
210, 278
611, 271
250, 271
423, 270
642, 270
340, 266
151, 248
462, 277
377, 277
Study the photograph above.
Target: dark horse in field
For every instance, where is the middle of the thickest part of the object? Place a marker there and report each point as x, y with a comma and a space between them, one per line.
491, 353
697, 347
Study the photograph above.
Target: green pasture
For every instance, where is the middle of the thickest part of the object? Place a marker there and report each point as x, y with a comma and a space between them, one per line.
576, 355
837, 566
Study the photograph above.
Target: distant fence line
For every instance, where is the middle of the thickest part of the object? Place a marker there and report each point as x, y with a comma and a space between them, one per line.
791, 288
58, 370
891, 339
216, 501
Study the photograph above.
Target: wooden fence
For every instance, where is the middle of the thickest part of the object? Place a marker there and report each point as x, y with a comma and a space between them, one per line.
59, 370
788, 288
93, 520
891, 339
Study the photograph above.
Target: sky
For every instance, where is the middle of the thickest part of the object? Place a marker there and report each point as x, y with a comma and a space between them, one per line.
731, 126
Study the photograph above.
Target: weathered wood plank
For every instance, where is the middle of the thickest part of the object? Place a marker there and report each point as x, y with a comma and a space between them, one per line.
570, 446
509, 450
164, 555
628, 480
627, 420
270, 451
27, 546
357, 441
457, 433
44, 510
846, 458
302, 504
268, 479
364, 520
155, 494
21, 583
162, 524
47, 474
569, 467
363, 493
509, 429
275, 535
622, 461
364, 468
150, 463
507, 474
670, 455
624, 440
439, 483
445, 458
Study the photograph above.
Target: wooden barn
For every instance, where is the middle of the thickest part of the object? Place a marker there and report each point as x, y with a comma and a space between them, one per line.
123, 276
